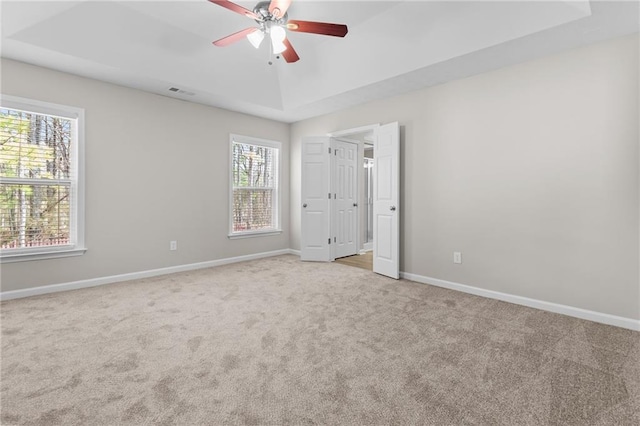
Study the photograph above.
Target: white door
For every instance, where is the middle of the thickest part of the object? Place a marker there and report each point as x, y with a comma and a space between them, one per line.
386, 192
315, 231
345, 198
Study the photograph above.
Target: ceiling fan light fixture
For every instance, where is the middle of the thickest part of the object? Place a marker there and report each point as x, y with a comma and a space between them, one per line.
272, 17
255, 38
278, 34
278, 47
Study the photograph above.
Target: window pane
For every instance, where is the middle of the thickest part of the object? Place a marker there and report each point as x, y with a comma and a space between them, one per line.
252, 209
34, 146
253, 166
34, 215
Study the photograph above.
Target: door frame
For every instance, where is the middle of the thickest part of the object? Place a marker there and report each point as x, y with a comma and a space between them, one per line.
366, 245
354, 131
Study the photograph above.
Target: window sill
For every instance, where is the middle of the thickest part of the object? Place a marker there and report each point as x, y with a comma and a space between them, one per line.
255, 234
41, 255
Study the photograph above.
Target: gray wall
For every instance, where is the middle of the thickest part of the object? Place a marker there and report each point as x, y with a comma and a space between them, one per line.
157, 169
530, 171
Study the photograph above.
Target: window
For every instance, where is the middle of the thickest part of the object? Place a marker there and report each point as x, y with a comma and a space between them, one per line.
254, 186
41, 212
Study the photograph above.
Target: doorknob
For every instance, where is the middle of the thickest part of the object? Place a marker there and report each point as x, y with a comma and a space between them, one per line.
304, 205
355, 204
392, 208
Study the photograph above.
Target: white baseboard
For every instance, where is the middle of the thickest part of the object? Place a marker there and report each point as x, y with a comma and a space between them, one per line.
93, 282
585, 314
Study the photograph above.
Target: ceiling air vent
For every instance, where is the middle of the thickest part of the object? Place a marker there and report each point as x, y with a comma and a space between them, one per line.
182, 92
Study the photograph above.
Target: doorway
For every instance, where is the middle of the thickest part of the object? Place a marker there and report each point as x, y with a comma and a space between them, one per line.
363, 139
366, 221
362, 256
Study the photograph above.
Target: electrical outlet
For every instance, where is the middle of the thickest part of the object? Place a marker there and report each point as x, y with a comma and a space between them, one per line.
173, 245
457, 257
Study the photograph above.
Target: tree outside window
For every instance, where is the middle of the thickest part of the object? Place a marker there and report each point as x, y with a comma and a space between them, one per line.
38, 179
254, 186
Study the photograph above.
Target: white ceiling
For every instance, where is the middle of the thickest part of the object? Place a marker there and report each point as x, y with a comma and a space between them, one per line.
391, 48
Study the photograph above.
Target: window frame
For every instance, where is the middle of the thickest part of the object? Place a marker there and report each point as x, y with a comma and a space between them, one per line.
277, 229
76, 187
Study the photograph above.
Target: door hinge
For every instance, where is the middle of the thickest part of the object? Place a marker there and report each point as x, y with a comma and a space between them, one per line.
329, 150
334, 239
334, 196
335, 152
329, 195
329, 240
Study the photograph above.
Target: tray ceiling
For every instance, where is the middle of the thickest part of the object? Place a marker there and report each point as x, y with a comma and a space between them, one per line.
391, 48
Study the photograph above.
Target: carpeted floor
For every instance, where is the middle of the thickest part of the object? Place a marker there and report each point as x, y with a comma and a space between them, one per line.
277, 341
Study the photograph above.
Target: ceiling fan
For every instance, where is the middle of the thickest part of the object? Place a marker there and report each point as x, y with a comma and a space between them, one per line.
273, 19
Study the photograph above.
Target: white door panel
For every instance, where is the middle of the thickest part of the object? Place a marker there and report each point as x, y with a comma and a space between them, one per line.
345, 202
386, 193
385, 235
315, 231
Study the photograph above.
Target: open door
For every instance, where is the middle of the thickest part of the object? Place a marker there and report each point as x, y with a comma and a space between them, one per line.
386, 192
315, 233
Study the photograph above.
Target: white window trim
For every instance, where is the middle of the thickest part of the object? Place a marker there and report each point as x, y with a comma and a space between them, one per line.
77, 162
277, 205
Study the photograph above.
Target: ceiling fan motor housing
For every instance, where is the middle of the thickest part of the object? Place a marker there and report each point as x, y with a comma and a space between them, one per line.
262, 10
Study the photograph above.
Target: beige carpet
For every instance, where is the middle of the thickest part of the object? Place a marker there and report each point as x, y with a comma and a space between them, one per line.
278, 341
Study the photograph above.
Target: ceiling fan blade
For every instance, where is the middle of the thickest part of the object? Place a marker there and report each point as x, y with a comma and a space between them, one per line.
323, 28
225, 41
290, 54
279, 7
236, 8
